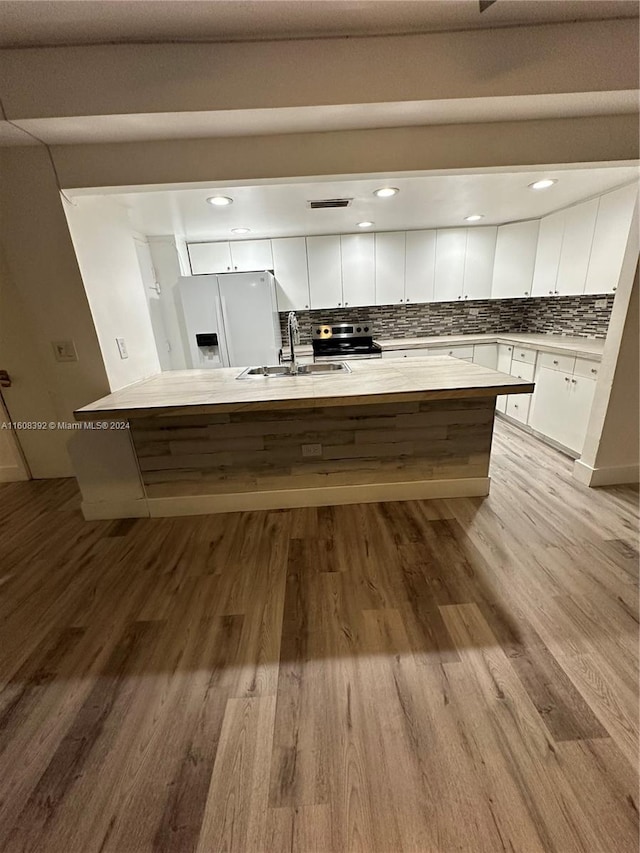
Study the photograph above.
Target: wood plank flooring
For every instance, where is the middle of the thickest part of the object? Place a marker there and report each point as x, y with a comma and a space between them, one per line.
428, 676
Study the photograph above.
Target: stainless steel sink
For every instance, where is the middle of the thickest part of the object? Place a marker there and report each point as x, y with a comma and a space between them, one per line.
324, 367
320, 369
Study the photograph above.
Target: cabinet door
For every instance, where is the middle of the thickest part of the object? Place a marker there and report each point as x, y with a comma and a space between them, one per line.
515, 258
325, 272
548, 254
505, 352
420, 266
206, 258
451, 244
251, 255
551, 410
478, 262
579, 225
291, 273
390, 261
358, 269
610, 238
487, 356
581, 392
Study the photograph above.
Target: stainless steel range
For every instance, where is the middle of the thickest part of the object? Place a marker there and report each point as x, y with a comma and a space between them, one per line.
344, 340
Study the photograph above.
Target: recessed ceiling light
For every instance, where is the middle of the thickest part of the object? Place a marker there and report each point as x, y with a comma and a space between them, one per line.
365, 224
544, 184
240, 230
220, 200
474, 217
386, 192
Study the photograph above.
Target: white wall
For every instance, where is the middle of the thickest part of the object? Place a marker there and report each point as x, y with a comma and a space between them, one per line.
165, 253
104, 243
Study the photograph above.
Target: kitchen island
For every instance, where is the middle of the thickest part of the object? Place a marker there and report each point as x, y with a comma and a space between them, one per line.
199, 441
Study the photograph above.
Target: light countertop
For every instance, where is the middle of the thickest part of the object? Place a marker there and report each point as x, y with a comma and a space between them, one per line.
371, 381
563, 344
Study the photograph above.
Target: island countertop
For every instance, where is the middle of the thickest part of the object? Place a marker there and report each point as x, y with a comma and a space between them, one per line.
186, 392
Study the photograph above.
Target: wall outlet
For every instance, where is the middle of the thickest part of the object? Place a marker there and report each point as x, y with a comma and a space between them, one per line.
601, 303
312, 450
122, 347
64, 350
474, 312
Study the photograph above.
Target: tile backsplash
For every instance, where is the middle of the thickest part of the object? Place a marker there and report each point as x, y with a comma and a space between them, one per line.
562, 315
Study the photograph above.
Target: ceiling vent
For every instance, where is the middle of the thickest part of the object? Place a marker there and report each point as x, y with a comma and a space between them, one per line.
321, 203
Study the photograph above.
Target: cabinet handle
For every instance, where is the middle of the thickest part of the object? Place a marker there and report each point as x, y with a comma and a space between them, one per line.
557, 292
306, 306
613, 288
593, 370
459, 297
566, 378
526, 293
407, 300
346, 303
339, 304
554, 361
551, 292
574, 381
228, 268
465, 296
402, 300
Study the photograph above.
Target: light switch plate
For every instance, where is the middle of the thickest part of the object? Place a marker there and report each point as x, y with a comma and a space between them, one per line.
64, 350
122, 347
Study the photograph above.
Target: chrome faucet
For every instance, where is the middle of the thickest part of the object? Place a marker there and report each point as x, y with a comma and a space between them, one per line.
294, 338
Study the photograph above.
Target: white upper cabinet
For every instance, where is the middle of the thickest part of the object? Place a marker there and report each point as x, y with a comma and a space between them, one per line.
240, 256
451, 244
610, 238
208, 258
515, 258
358, 269
389, 263
250, 255
420, 266
292, 275
478, 262
579, 224
325, 272
548, 255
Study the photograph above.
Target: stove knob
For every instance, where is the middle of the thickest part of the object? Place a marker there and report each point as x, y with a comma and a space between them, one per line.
358, 329
366, 328
318, 331
326, 331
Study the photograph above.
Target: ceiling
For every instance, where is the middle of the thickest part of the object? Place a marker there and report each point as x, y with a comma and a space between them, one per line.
424, 201
30, 23
313, 119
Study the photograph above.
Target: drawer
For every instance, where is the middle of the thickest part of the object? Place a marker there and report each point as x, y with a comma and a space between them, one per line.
522, 370
528, 356
586, 367
518, 407
565, 363
396, 353
456, 352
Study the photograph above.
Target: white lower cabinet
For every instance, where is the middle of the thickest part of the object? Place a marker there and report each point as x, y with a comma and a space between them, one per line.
518, 407
561, 407
486, 355
505, 353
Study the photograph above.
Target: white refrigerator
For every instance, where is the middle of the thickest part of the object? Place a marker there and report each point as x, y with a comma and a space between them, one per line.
230, 320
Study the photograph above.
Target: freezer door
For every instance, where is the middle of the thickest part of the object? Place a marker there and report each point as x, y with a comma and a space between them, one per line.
248, 316
201, 317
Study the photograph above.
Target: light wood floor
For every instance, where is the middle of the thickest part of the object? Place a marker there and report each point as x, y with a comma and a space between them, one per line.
429, 676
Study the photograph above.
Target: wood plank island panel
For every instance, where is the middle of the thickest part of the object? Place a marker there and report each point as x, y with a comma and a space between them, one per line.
263, 451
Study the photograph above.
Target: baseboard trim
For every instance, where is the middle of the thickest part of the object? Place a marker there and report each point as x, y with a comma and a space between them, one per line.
617, 475
96, 510
321, 496
12, 474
